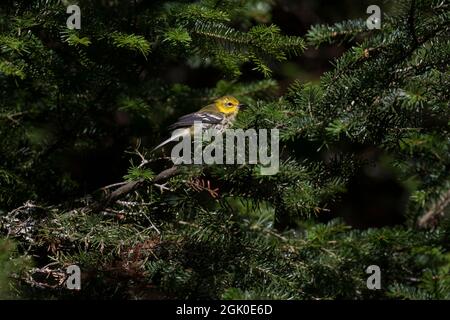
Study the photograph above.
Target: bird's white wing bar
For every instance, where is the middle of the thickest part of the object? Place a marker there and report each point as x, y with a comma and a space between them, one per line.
189, 119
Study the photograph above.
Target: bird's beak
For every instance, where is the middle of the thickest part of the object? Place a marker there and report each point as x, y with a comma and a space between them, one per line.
242, 106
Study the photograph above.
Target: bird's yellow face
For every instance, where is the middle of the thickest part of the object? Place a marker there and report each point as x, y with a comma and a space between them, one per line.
227, 104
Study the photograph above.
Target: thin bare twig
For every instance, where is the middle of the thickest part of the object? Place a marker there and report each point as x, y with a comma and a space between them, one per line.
436, 212
11, 116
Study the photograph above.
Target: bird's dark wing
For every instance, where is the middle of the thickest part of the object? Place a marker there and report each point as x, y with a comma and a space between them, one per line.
189, 119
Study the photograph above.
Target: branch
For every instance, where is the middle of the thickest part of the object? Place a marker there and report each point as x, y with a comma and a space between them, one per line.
130, 187
12, 116
436, 212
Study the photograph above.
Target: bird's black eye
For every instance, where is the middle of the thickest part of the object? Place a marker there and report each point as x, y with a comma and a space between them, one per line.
229, 104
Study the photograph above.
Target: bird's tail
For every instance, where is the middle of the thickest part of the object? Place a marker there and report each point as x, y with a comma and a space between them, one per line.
175, 136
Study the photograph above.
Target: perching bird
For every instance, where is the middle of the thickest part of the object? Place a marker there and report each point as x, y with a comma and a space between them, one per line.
218, 115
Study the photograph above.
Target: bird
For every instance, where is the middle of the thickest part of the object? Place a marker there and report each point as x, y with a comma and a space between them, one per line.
219, 115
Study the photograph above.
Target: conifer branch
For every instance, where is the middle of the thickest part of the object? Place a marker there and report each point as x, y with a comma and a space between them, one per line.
112, 197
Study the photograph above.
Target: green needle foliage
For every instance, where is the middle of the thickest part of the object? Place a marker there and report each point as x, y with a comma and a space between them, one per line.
221, 231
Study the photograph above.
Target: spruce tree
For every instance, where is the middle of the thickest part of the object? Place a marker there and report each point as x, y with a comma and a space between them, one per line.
221, 231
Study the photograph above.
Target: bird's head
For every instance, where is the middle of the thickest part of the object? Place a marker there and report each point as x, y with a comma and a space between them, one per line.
228, 104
